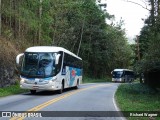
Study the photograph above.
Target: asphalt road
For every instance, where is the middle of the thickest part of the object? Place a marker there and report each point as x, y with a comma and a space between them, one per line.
89, 102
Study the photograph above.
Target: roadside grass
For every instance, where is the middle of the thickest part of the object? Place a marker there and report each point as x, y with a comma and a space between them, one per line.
10, 90
15, 89
136, 81
136, 97
94, 80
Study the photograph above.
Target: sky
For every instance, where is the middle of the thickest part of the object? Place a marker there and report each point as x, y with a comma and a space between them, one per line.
132, 15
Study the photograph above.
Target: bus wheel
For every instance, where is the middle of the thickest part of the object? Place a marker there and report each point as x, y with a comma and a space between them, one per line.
33, 92
76, 87
62, 87
124, 81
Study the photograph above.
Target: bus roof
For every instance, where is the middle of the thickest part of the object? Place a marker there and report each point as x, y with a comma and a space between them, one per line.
122, 70
50, 49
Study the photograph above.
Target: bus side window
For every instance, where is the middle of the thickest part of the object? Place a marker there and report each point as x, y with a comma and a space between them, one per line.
65, 61
123, 74
58, 67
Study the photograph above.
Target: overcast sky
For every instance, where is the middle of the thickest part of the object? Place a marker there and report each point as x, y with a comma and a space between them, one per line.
132, 15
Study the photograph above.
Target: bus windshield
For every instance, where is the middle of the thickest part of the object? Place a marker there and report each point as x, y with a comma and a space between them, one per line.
117, 74
38, 65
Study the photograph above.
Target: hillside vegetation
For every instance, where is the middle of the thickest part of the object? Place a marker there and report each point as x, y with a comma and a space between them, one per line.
8, 51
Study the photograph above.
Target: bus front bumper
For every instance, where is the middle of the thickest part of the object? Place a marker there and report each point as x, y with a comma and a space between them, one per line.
51, 87
117, 80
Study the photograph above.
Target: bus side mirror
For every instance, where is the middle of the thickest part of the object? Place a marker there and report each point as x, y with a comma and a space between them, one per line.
111, 72
18, 60
57, 59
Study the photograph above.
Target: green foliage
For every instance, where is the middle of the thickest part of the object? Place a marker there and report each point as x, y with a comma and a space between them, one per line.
77, 25
13, 89
93, 80
149, 40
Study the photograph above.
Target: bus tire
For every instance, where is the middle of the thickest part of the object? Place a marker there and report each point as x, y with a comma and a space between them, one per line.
33, 92
62, 88
76, 87
124, 81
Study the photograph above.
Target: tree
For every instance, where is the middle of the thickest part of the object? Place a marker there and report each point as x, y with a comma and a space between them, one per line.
0, 19
149, 42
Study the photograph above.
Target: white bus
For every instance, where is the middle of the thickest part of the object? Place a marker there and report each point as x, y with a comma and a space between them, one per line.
49, 68
122, 75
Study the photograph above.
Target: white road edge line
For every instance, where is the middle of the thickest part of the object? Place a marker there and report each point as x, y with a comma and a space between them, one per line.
115, 105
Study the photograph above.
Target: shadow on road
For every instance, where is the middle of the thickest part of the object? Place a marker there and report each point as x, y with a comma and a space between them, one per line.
49, 93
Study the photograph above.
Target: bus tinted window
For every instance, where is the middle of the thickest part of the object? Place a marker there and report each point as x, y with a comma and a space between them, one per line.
72, 61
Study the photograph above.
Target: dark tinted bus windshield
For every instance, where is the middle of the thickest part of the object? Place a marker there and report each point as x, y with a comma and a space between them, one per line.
38, 65
117, 74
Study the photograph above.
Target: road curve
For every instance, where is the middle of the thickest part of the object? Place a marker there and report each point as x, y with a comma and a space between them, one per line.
90, 102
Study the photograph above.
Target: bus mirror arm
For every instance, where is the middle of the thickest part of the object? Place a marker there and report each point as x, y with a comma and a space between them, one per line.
57, 58
18, 58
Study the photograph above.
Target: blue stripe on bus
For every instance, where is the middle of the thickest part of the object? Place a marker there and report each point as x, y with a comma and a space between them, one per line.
49, 78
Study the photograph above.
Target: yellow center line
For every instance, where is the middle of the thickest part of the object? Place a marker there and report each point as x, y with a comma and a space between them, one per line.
45, 104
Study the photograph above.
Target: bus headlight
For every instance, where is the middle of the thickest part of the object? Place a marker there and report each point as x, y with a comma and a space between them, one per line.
22, 81
54, 78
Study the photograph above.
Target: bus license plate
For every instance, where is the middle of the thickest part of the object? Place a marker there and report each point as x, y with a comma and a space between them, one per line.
35, 87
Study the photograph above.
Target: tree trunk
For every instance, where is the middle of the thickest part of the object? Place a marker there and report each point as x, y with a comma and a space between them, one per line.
19, 21
152, 12
81, 37
14, 19
0, 20
40, 15
158, 8
10, 17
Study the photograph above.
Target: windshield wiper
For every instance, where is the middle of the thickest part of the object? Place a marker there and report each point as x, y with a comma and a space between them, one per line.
33, 69
39, 70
